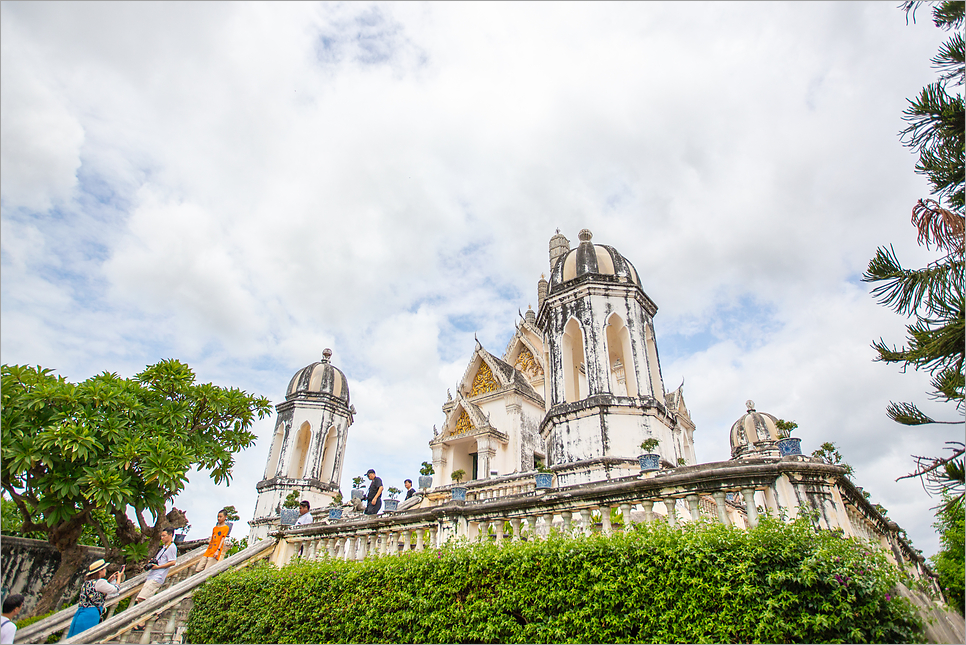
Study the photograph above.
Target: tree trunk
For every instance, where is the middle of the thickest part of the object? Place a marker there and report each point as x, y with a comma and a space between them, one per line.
71, 559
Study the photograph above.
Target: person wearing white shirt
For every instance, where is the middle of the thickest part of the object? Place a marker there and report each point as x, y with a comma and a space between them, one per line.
12, 605
304, 516
94, 593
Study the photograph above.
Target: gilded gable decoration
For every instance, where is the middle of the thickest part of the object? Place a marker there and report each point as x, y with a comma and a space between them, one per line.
484, 381
526, 363
463, 424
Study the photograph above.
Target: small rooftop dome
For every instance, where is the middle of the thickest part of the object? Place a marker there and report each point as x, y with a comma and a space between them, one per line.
754, 434
319, 379
593, 259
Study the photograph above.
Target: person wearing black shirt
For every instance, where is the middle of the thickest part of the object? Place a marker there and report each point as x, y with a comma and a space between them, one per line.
410, 491
374, 497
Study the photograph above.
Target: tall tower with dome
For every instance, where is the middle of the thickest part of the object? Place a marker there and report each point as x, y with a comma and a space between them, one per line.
308, 447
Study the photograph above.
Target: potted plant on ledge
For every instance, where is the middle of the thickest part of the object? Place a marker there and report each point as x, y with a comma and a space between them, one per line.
335, 507
544, 477
788, 445
459, 492
426, 476
392, 502
357, 490
650, 460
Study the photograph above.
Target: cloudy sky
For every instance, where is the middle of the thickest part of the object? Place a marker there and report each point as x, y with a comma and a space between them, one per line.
242, 185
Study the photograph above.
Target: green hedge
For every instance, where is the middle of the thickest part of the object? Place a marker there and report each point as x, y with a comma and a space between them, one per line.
703, 583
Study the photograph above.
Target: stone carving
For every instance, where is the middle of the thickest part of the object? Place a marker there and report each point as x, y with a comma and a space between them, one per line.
463, 423
527, 364
484, 381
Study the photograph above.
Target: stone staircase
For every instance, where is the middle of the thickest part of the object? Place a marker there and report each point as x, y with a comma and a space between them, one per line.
165, 614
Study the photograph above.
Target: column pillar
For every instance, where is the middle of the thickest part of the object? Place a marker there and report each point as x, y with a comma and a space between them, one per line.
363, 547
672, 516
406, 536
498, 529
648, 507
484, 531
532, 526
393, 543
750, 508
605, 520
719, 500
566, 515
419, 539
626, 515
515, 527
585, 523
693, 505
548, 522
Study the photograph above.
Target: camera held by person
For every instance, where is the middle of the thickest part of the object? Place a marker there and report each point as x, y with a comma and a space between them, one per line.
150, 564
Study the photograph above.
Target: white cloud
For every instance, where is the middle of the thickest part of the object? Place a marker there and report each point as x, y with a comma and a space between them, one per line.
243, 185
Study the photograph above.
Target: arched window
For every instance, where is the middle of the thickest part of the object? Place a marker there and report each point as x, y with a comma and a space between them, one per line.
296, 466
271, 468
330, 449
575, 379
620, 358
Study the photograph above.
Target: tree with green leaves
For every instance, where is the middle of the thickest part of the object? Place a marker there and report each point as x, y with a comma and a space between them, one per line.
231, 514
932, 296
950, 562
72, 452
830, 454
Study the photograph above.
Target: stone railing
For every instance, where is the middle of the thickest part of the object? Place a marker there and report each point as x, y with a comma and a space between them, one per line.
730, 492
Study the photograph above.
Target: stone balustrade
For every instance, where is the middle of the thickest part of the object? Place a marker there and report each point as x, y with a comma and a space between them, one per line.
729, 492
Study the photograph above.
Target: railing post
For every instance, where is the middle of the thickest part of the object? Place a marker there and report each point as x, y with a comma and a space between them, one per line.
605, 520
348, 551
484, 531
719, 500
566, 515
406, 535
585, 520
670, 504
363, 547
648, 507
515, 527
419, 538
532, 526
548, 522
693, 504
626, 515
750, 508
393, 542
498, 530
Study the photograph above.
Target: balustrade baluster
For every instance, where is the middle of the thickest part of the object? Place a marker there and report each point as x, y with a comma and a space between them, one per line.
693, 504
670, 504
566, 515
719, 500
363, 547
406, 536
548, 523
532, 526
484, 528
648, 507
515, 526
626, 515
498, 529
605, 520
419, 538
350, 548
585, 524
750, 508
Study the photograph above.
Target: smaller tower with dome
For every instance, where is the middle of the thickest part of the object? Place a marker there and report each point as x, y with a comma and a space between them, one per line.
755, 435
309, 443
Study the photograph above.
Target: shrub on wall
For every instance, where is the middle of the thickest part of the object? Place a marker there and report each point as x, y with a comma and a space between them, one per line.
700, 583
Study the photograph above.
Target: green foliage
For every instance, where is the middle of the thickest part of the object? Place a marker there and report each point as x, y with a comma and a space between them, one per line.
458, 475
830, 454
232, 514
73, 453
292, 500
135, 552
933, 296
357, 481
786, 427
656, 584
237, 546
681, 461
950, 562
648, 445
336, 500
427, 469
393, 492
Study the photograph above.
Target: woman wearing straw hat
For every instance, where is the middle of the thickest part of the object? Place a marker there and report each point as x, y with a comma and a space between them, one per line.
94, 593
